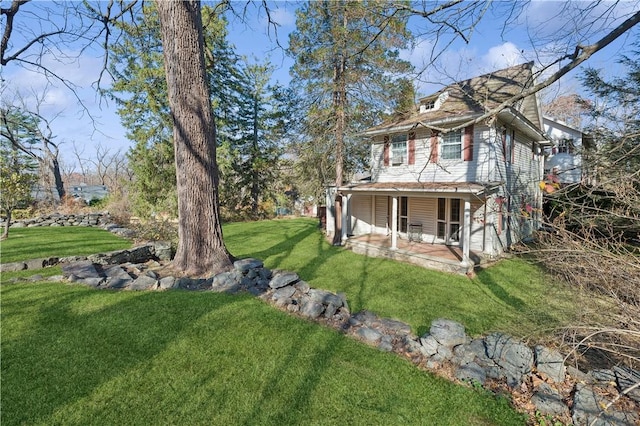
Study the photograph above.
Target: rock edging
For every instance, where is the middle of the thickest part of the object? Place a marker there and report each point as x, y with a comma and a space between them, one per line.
496, 361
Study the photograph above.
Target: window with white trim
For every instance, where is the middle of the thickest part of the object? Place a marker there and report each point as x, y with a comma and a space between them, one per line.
452, 145
399, 150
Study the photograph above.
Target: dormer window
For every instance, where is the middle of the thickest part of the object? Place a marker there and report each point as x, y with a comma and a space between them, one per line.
398, 150
427, 106
432, 104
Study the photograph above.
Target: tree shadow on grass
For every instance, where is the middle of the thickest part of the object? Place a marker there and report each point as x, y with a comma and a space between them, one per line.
76, 339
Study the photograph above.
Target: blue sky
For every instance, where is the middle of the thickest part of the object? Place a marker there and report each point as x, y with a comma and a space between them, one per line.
489, 49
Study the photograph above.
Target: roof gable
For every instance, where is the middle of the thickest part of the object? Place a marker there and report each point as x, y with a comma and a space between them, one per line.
473, 97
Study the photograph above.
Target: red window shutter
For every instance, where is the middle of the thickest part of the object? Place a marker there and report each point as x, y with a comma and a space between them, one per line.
433, 157
412, 147
468, 143
386, 150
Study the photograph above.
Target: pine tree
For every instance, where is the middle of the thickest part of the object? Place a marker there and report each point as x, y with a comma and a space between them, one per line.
347, 59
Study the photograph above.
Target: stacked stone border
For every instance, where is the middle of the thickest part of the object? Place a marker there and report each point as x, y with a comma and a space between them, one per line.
498, 362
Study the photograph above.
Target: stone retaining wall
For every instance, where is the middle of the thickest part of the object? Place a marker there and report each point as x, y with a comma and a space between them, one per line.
58, 219
537, 374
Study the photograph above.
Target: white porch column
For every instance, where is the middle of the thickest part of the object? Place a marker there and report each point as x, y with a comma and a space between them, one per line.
466, 233
372, 225
394, 223
346, 223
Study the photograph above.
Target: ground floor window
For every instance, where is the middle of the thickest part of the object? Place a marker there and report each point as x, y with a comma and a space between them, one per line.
448, 226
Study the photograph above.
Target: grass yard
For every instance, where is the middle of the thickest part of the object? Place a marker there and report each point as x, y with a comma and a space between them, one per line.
73, 355
512, 296
37, 242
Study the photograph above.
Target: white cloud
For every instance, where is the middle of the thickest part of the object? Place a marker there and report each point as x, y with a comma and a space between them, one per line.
502, 56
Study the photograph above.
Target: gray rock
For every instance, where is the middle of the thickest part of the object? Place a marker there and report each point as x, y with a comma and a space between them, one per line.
265, 273
245, 265
82, 269
343, 296
396, 326
114, 282
429, 345
578, 375
162, 250
55, 278
325, 297
369, 334
463, 355
548, 401
513, 357
587, 410
471, 372
386, 344
13, 267
143, 282
311, 309
444, 353
35, 263
93, 282
36, 277
283, 293
167, 282
626, 378
224, 280
550, 363
141, 254
447, 332
302, 286
283, 279
330, 310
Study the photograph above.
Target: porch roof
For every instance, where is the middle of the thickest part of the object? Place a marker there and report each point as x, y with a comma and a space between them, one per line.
420, 187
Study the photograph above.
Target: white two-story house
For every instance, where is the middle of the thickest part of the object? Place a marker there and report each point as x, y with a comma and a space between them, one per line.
442, 177
564, 158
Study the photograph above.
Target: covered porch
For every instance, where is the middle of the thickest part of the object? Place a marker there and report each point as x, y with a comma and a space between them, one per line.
378, 220
433, 256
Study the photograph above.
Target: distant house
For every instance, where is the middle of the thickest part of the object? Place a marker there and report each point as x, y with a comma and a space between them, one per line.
89, 192
473, 190
564, 158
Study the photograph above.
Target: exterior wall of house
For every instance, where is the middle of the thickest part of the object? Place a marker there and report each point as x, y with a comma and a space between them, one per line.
519, 166
424, 170
361, 220
564, 158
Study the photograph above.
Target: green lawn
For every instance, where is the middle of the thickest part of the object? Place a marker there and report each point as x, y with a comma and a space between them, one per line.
73, 355
512, 296
37, 242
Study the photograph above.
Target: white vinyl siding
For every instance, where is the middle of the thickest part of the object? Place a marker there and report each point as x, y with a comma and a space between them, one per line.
361, 214
381, 214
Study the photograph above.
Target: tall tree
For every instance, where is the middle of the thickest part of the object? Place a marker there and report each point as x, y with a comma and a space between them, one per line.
31, 134
346, 58
201, 248
17, 177
258, 132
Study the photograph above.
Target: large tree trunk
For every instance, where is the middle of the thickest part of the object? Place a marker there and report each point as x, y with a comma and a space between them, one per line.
7, 225
201, 248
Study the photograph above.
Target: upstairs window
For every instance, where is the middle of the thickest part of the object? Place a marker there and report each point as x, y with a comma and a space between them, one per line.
565, 146
399, 150
452, 145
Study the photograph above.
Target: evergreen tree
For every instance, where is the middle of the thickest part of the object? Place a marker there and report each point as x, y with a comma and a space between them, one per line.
258, 132
346, 60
